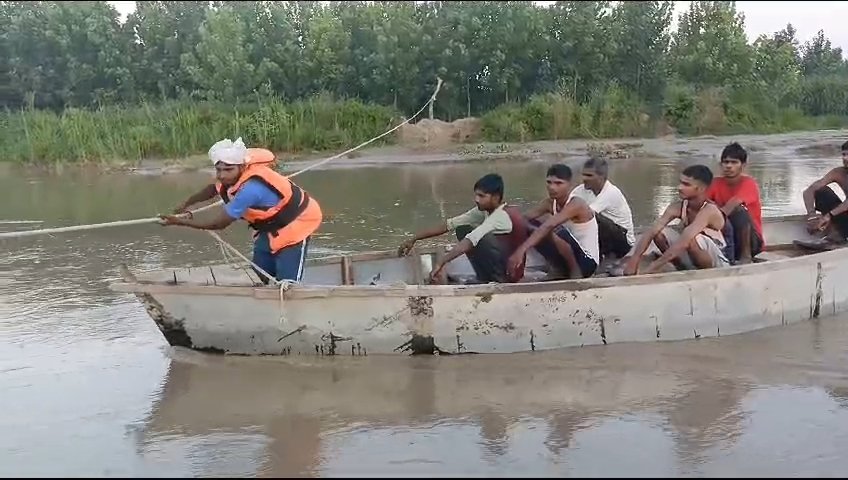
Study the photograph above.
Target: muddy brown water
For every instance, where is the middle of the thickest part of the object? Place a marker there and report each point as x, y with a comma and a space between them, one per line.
89, 386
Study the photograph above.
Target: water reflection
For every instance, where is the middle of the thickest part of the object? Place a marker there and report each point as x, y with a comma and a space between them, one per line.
687, 408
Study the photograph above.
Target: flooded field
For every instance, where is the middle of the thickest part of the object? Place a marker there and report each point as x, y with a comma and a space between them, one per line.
91, 388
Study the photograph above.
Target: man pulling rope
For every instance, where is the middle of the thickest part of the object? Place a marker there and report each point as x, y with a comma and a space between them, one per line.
178, 219
282, 214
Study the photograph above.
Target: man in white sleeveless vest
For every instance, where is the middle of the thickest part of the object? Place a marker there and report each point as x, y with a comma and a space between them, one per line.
698, 240
568, 238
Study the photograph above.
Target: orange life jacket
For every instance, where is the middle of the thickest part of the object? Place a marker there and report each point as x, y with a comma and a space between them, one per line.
289, 222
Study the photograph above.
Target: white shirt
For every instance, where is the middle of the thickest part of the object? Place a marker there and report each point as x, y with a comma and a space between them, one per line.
586, 234
498, 222
611, 203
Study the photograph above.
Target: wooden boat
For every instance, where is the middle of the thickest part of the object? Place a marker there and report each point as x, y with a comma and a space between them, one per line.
377, 303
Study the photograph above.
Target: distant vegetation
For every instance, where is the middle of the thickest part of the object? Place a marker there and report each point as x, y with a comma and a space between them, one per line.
76, 84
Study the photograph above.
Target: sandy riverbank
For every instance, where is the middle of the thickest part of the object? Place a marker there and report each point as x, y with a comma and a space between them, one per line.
706, 149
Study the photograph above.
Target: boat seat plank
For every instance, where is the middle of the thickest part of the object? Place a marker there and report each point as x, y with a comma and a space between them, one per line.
771, 256
415, 267
347, 270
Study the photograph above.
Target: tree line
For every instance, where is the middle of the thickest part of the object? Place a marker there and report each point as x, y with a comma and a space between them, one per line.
493, 56
79, 54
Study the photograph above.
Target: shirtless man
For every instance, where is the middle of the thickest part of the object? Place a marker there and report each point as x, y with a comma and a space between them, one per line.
568, 239
700, 244
832, 218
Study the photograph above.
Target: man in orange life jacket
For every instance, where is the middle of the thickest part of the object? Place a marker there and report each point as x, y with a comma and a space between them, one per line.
488, 234
283, 215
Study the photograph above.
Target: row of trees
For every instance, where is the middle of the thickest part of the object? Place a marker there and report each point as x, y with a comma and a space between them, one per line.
59, 54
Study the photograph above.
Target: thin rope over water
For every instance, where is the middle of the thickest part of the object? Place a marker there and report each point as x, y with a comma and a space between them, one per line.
225, 246
141, 221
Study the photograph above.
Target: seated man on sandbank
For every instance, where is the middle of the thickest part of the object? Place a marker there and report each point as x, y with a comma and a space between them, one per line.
697, 241
487, 234
832, 218
568, 238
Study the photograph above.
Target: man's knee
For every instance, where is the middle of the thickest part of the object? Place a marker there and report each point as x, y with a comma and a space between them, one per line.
661, 239
562, 238
824, 192
705, 253
612, 238
740, 217
490, 241
826, 199
697, 244
462, 231
559, 241
489, 246
488, 259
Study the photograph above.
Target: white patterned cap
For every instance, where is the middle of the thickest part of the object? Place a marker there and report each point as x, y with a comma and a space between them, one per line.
229, 152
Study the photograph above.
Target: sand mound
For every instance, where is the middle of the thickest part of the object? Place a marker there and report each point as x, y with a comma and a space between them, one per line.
436, 133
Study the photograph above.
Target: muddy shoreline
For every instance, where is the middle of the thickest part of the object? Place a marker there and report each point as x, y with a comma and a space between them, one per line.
820, 142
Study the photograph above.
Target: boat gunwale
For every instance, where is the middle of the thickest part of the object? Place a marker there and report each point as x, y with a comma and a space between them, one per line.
375, 255
405, 290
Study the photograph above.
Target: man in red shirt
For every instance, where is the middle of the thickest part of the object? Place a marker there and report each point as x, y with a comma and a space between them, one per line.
738, 196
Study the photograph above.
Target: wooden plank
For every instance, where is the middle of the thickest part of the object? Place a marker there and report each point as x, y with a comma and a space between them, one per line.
438, 256
347, 271
414, 261
366, 256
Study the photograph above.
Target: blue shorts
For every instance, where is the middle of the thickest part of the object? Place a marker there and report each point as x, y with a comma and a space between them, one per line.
287, 264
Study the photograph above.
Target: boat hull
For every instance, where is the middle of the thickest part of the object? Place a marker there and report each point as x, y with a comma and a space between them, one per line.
360, 320
425, 320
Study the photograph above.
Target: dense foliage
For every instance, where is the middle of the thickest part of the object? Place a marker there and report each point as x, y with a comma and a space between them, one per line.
177, 75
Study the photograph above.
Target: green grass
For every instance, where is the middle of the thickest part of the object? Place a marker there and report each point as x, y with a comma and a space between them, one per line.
177, 130
181, 129
613, 113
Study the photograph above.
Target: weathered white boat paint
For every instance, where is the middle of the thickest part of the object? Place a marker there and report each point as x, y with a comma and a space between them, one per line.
213, 309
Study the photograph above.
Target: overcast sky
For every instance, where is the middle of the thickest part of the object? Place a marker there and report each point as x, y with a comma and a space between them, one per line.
760, 17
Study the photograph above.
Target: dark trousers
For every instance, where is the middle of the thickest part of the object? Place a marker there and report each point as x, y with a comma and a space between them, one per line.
741, 223
488, 258
825, 201
612, 238
549, 251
